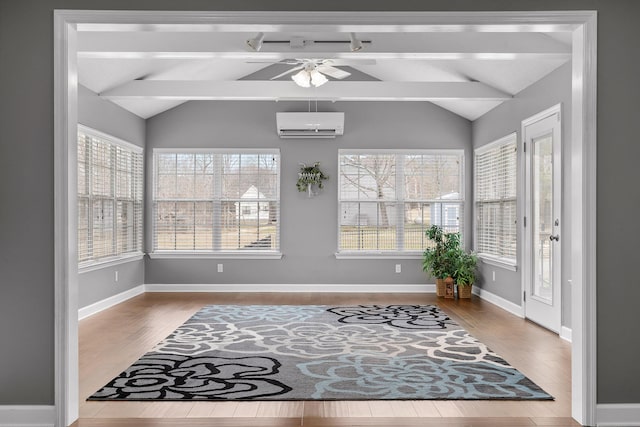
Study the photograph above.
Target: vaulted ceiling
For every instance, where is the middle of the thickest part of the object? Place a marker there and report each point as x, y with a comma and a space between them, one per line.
467, 70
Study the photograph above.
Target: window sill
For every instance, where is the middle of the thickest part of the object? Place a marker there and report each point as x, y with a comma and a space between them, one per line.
377, 255
215, 255
498, 262
97, 265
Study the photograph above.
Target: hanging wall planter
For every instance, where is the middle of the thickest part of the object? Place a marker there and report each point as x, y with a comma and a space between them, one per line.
310, 179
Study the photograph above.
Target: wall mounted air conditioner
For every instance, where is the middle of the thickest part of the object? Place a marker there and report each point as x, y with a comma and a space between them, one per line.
310, 125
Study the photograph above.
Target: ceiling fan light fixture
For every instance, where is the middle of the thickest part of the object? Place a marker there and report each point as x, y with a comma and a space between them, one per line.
354, 43
256, 43
317, 78
302, 78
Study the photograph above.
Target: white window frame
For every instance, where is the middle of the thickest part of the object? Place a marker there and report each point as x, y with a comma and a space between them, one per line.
399, 201
493, 259
214, 253
98, 263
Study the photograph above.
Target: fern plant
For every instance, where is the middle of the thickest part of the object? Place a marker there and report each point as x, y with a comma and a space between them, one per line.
310, 175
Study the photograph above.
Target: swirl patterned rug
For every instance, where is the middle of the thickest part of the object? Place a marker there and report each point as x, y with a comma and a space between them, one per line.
369, 352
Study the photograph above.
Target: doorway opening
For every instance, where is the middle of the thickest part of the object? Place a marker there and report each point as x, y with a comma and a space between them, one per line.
582, 148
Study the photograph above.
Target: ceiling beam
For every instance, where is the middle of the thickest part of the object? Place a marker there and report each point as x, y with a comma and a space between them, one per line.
418, 46
247, 90
302, 21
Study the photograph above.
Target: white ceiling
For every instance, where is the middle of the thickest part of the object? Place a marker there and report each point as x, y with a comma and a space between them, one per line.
468, 72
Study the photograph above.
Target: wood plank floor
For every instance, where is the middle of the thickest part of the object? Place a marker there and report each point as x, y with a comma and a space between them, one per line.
112, 340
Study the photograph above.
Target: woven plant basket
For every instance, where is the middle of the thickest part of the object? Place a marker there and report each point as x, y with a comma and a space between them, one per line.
449, 289
440, 287
464, 291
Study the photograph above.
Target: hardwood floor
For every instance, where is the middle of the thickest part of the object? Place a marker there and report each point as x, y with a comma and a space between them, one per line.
112, 340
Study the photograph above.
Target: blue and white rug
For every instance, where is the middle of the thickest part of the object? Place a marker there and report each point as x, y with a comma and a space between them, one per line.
364, 352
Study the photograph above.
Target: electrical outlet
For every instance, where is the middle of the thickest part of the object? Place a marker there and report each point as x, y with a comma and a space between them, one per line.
220, 268
398, 268
494, 275
116, 276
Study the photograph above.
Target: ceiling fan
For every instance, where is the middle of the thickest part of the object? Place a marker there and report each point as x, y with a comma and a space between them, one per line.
314, 72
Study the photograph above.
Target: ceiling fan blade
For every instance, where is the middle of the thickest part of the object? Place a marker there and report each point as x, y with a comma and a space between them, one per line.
289, 71
285, 62
334, 72
339, 62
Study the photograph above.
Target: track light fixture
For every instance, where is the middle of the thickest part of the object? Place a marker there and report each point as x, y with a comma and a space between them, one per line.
354, 43
256, 43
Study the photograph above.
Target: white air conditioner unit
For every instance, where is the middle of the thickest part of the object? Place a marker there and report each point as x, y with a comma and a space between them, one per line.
310, 125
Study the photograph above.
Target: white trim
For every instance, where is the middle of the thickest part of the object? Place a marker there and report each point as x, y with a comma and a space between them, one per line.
583, 155
618, 414
99, 306
387, 21
28, 416
66, 375
549, 112
432, 151
512, 137
110, 138
287, 287
216, 150
583, 150
565, 333
494, 299
110, 262
376, 255
498, 262
215, 255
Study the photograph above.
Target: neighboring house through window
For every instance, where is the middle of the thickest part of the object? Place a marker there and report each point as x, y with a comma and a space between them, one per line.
388, 198
495, 200
110, 189
216, 201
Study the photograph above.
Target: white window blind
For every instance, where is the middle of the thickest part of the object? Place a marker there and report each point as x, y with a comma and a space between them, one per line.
216, 201
495, 199
389, 198
110, 194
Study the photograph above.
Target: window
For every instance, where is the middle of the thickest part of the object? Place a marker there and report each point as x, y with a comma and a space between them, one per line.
110, 182
208, 201
387, 199
495, 200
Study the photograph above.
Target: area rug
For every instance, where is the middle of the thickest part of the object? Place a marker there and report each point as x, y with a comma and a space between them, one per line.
311, 352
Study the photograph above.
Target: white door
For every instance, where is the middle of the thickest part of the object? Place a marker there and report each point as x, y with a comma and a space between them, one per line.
543, 221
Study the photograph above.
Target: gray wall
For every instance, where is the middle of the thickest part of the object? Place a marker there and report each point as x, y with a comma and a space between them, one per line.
308, 226
503, 120
26, 123
109, 118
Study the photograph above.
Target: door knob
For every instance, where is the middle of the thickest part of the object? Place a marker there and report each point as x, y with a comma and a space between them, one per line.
556, 237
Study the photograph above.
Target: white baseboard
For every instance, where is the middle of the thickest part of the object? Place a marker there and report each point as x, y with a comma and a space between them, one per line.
618, 414
27, 416
565, 333
97, 307
499, 301
358, 288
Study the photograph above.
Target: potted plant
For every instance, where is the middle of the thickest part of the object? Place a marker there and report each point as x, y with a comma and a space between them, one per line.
309, 176
432, 257
465, 273
440, 260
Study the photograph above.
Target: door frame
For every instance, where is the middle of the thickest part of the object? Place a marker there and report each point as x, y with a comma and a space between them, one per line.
582, 152
526, 228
